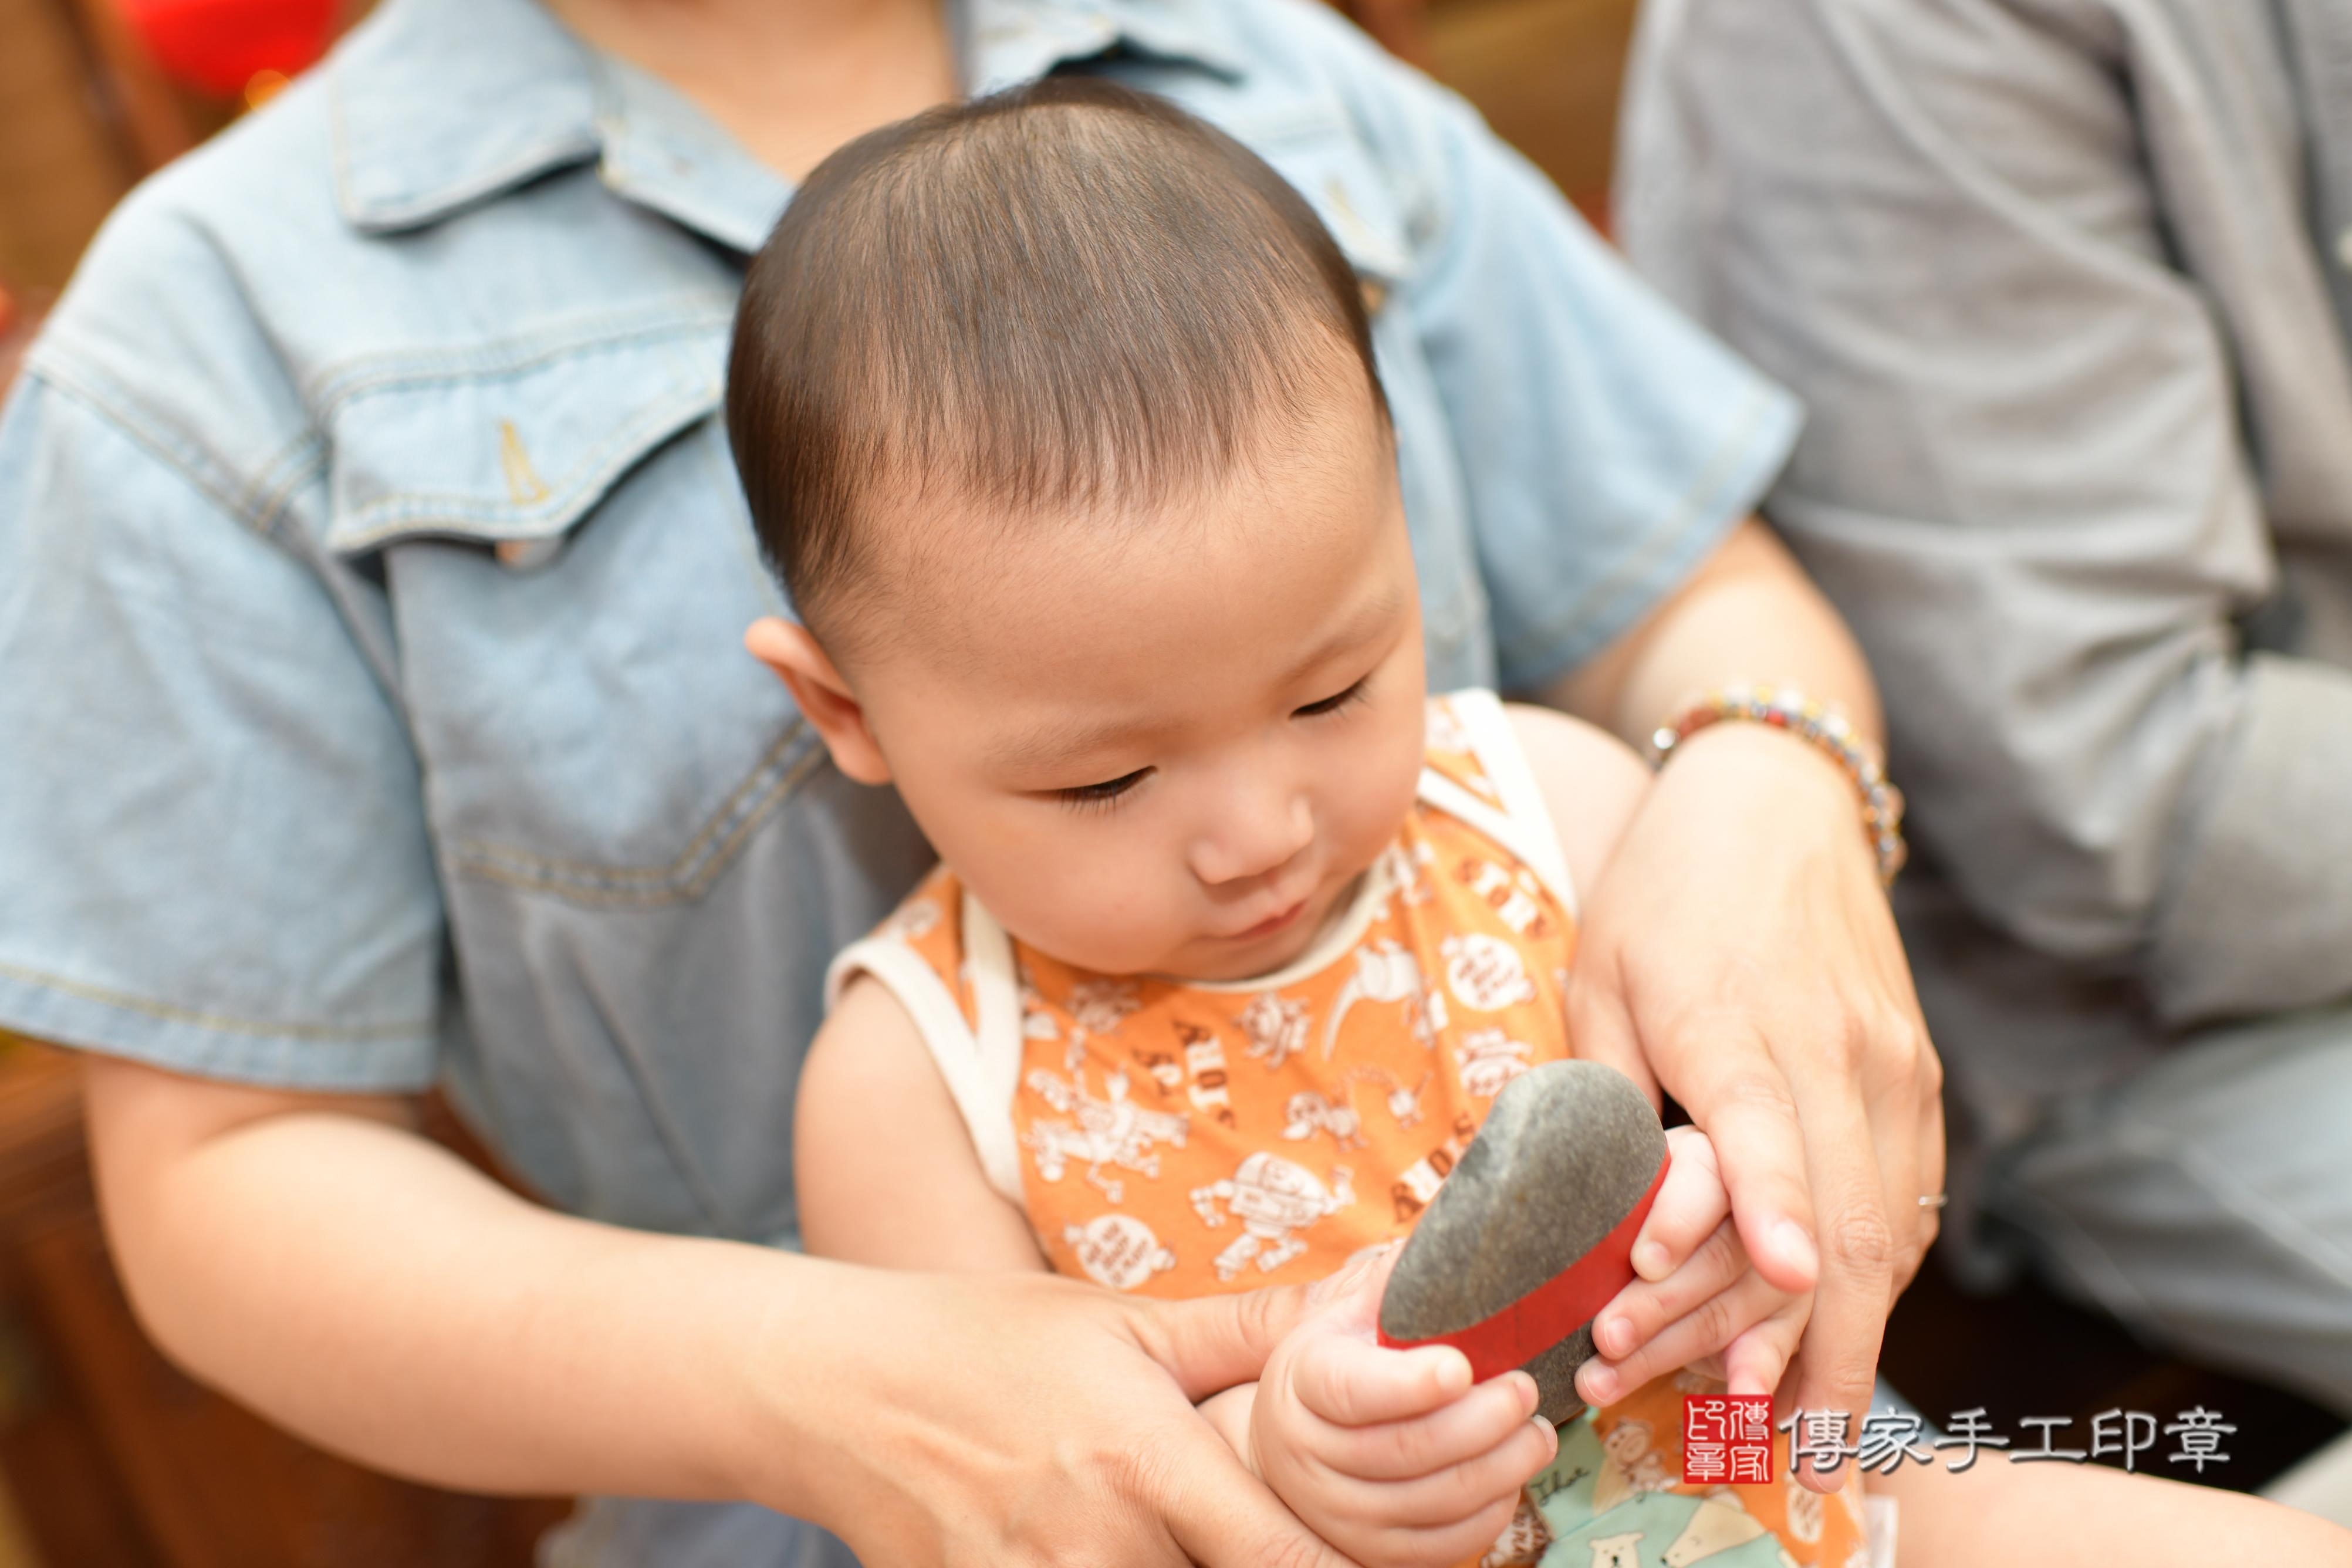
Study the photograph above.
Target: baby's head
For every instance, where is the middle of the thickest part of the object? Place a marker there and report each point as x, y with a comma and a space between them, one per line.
1057, 417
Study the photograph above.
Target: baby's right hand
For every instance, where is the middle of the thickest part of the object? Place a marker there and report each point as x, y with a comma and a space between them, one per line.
1391, 1456
1697, 1302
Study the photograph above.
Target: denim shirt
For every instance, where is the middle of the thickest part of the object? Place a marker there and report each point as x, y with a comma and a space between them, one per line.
373, 571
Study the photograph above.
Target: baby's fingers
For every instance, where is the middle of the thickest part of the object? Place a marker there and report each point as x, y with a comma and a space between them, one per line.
1475, 1424
1355, 1383
1701, 1333
1639, 1312
1758, 1359
1441, 1546
1457, 1492
1690, 1205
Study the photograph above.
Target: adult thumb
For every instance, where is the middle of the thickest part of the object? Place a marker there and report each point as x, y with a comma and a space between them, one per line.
1212, 1342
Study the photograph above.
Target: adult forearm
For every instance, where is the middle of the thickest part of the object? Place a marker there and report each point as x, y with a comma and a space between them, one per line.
1739, 949
314, 1257
371, 1292
1749, 614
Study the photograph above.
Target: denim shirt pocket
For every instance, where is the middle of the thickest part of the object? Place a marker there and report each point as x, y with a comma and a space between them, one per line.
559, 529
513, 444
644, 857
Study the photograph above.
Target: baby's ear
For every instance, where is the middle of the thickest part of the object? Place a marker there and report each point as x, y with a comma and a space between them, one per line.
824, 699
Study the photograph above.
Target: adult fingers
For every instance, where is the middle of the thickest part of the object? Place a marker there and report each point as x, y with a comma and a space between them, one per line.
1689, 1206
1223, 1517
1902, 1177
1212, 1343
1857, 1273
1354, 1382
1926, 1124
1401, 1451
1740, 1098
1638, 1313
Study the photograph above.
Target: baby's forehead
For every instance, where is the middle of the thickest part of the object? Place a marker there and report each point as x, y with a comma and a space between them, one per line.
1235, 591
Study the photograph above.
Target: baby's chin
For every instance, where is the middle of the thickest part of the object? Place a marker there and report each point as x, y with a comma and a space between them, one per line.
1184, 956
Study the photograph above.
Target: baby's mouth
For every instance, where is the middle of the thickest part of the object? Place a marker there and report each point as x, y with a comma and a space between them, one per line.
1272, 923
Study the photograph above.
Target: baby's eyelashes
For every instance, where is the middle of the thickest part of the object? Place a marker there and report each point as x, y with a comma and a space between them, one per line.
1334, 702
1105, 793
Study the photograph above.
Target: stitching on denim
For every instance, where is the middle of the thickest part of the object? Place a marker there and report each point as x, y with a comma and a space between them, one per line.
189, 461
769, 760
586, 479
301, 461
1554, 635
179, 1015
385, 215
682, 880
518, 357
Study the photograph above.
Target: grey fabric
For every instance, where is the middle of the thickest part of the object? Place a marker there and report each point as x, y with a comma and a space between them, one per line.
2067, 288
2205, 1200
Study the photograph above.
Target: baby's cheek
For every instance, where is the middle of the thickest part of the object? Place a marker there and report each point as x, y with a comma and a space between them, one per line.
1370, 804
1094, 911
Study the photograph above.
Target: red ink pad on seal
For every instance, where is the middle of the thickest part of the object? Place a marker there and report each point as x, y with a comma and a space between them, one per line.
1533, 1232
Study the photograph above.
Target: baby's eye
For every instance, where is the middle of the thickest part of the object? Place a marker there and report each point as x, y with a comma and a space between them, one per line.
1334, 702
1105, 793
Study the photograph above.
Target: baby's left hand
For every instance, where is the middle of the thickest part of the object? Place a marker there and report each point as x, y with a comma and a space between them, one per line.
1697, 1302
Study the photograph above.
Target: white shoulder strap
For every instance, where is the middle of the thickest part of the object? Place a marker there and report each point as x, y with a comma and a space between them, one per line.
1519, 821
974, 1065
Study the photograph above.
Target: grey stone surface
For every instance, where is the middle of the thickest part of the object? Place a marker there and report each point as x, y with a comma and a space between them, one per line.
1566, 1153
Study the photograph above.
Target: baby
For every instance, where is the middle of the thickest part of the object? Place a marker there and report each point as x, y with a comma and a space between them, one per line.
1057, 414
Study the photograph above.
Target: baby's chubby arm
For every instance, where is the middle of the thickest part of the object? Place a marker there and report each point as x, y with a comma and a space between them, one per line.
885, 1173
1591, 784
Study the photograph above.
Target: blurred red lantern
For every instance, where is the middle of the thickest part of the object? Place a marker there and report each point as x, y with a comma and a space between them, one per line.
219, 46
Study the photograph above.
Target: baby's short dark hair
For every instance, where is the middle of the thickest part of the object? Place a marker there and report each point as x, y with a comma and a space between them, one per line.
1068, 294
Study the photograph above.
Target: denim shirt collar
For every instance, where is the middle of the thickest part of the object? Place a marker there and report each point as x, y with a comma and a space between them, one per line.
440, 104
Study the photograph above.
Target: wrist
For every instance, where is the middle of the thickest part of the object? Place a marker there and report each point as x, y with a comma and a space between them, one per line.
1778, 722
804, 1430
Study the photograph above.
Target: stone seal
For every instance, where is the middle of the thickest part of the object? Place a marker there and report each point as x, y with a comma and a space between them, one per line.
1569, 1153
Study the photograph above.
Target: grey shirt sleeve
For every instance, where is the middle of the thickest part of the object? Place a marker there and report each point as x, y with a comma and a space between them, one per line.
2023, 478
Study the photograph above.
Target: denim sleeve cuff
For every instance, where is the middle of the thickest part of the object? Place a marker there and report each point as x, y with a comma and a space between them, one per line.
1724, 490
386, 1059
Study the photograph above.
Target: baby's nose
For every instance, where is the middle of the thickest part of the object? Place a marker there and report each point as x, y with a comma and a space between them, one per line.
1254, 837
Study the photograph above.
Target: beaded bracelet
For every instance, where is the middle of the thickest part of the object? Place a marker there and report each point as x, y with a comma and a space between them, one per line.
1819, 725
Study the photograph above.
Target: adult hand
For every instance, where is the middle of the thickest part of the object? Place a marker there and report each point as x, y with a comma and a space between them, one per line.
1023, 1420
1738, 951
